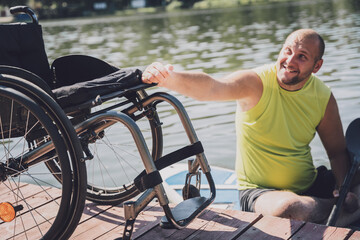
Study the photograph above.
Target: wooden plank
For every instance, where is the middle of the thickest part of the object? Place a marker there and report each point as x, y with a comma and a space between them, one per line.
354, 236
109, 222
227, 225
159, 233
270, 227
35, 221
145, 221
23, 192
97, 220
312, 231
34, 233
92, 209
45, 209
149, 219
5, 187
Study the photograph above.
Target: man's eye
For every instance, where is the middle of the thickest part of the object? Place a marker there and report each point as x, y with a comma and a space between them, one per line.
302, 57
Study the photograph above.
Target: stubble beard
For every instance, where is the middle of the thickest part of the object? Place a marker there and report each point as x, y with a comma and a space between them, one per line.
294, 80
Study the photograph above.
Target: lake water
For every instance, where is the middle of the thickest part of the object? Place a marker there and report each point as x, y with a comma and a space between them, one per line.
219, 42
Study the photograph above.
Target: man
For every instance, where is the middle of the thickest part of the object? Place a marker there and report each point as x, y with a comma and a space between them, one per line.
280, 107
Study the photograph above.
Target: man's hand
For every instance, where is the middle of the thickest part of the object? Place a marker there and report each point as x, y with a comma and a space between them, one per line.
351, 203
157, 73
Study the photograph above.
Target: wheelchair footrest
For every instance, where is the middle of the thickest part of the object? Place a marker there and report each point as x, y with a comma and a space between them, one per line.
185, 211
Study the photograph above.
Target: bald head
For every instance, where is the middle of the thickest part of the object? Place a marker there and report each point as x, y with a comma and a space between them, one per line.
308, 34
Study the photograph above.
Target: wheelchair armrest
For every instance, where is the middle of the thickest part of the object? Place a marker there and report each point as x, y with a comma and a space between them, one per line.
109, 86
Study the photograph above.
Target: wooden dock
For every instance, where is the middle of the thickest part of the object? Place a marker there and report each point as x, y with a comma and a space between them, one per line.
107, 222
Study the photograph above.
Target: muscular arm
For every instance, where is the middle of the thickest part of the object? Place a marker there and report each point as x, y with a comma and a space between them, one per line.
332, 136
244, 86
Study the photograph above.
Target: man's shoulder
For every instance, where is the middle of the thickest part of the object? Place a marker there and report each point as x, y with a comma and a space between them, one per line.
320, 85
265, 69
267, 74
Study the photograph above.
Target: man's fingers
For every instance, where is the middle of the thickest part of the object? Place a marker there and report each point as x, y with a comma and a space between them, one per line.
156, 73
351, 202
169, 67
146, 77
150, 75
161, 69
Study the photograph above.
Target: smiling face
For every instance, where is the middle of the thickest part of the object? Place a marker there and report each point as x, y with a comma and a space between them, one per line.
299, 57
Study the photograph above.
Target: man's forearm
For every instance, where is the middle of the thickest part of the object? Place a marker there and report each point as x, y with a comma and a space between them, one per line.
241, 85
192, 84
340, 165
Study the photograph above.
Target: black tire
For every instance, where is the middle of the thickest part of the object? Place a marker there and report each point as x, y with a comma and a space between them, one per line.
77, 177
22, 122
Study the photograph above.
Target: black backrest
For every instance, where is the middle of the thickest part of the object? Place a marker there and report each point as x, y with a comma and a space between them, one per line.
73, 69
22, 45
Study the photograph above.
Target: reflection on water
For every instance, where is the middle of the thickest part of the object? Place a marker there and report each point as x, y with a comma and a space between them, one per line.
219, 42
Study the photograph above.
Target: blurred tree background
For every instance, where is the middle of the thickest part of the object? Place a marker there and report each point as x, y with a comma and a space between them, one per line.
68, 8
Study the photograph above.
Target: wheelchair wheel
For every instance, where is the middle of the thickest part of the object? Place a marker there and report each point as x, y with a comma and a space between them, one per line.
65, 188
27, 136
116, 160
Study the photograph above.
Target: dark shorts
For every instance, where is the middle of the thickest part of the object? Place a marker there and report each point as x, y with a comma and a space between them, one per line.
322, 187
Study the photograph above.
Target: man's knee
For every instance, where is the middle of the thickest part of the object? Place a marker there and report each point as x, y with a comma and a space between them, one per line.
291, 207
285, 205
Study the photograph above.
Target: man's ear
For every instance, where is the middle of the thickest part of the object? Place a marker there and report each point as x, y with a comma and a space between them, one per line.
318, 65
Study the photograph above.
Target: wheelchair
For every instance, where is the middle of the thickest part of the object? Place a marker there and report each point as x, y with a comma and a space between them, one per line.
80, 129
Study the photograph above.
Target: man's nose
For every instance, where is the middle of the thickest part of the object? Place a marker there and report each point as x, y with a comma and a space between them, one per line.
290, 60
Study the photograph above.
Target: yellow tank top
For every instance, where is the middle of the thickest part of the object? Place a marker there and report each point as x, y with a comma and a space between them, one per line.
273, 137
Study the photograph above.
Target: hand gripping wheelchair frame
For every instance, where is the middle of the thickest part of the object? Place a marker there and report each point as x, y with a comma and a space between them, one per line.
82, 128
